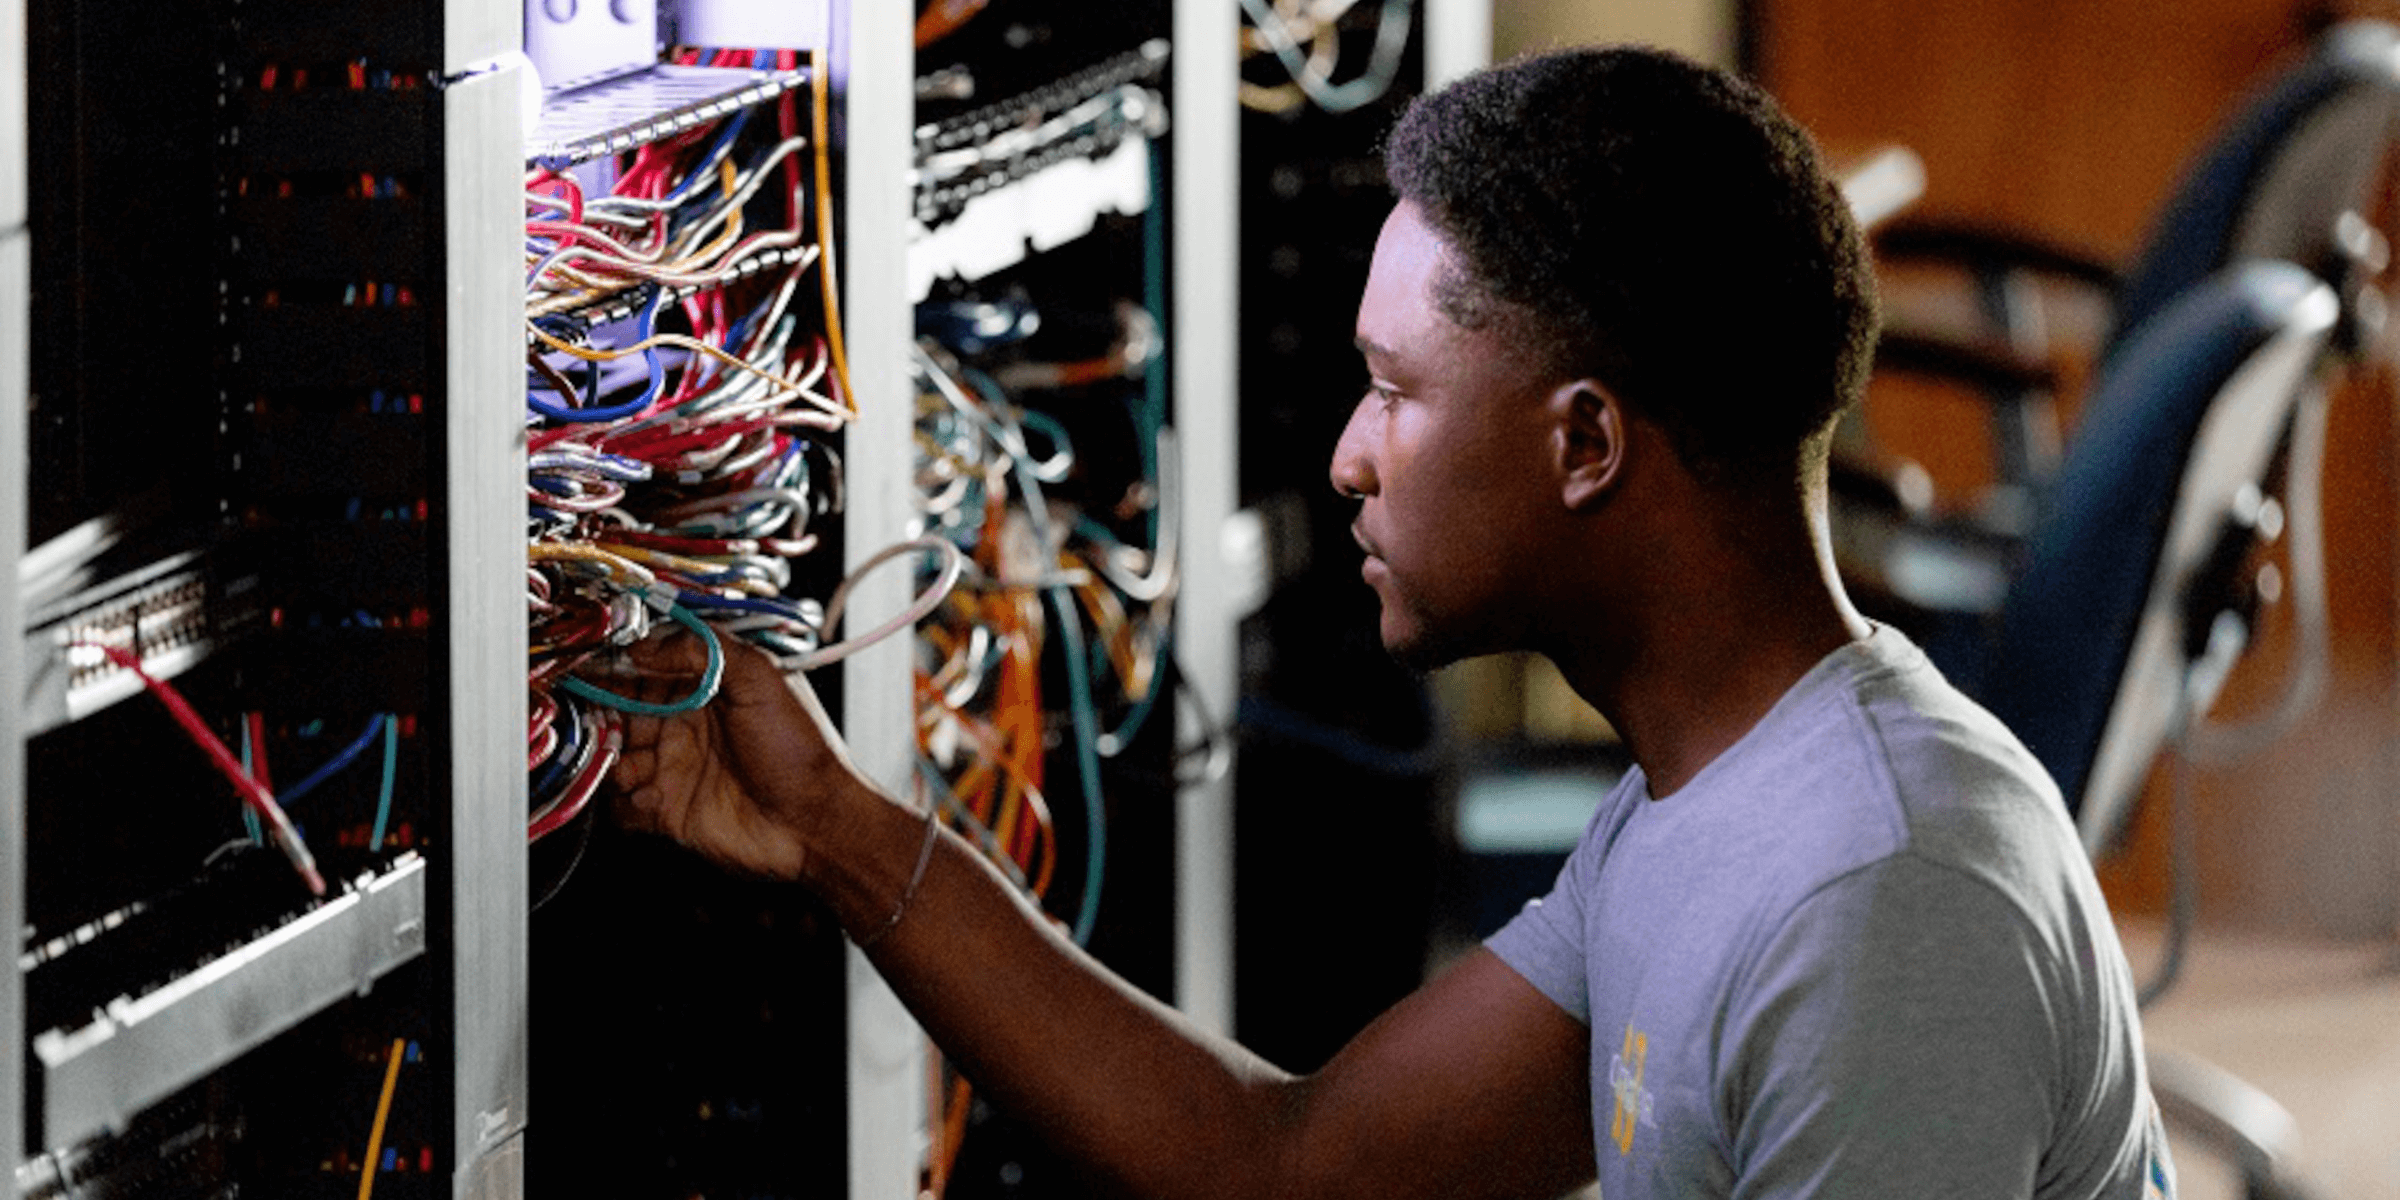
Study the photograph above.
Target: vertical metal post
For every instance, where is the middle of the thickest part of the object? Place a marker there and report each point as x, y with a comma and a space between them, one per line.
874, 56
14, 351
484, 438
13, 165
15, 356
1458, 39
1202, 346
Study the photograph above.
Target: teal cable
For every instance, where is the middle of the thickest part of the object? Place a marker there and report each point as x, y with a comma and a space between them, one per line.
1071, 645
701, 694
1087, 755
258, 836
1079, 691
1148, 416
391, 772
1062, 451
1115, 740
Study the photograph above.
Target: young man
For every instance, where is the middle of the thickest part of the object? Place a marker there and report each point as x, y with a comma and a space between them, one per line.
1833, 936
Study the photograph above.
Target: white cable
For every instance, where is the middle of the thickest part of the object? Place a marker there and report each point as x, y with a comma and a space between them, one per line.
953, 564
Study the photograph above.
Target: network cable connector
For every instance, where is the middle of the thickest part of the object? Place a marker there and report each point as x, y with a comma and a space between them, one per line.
81, 601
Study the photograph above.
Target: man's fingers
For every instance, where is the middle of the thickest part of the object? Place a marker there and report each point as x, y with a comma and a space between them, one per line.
637, 808
636, 766
659, 669
673, 652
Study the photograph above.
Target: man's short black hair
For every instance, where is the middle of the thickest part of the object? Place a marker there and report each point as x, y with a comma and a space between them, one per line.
1656, 225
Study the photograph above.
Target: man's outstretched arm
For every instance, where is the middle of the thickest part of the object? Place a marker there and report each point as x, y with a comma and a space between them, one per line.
1476, 1086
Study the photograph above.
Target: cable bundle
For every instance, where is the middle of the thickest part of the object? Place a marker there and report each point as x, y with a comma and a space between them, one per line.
982, 721
992, 473
676, 461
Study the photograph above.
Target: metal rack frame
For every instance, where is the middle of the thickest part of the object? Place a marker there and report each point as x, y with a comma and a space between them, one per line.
482, 451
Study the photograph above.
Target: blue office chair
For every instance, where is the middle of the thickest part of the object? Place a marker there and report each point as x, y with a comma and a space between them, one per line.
2290, 176
2136, 589
2114, 629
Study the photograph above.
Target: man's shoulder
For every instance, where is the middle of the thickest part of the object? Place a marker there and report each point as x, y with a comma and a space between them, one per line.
1876, 756
1969, 794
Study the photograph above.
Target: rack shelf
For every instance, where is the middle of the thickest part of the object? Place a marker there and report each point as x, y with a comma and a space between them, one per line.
616, 115
140, 1049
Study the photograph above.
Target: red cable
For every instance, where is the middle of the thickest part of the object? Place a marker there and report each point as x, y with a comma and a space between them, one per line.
252, 789
579, 793
257, 723
787, 121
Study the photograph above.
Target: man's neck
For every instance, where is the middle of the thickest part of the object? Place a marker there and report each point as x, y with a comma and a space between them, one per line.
1702, 660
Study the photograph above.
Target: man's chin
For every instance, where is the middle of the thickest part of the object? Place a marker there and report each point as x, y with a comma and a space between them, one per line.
1420, 650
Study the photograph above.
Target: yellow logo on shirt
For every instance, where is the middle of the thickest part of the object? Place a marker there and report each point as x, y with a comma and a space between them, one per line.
1625, 1079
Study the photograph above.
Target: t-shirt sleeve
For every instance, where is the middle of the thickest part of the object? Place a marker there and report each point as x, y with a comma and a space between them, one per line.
1545, 941
1893, 1038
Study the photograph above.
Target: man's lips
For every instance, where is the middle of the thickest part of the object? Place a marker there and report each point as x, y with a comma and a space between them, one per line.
1372, 568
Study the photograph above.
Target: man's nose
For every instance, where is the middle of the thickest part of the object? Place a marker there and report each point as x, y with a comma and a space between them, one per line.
1353, 469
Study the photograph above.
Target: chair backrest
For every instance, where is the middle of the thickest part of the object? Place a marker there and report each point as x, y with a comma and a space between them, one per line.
2090, 650
2277, 177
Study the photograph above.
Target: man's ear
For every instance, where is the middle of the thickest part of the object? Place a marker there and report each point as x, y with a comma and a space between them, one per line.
1589, 440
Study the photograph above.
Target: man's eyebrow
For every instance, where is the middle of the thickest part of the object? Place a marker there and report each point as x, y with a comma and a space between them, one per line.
1368, 347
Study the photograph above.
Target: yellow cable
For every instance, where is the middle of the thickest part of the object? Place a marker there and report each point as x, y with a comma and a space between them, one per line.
383, 1111
687, 565
620, 568
820, 122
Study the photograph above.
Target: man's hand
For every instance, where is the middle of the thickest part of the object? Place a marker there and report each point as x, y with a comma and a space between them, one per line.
750, 777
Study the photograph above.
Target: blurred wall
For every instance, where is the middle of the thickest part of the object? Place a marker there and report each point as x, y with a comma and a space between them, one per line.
1703, 29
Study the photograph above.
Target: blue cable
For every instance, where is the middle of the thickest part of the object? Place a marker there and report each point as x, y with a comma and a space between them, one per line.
729, 575
593, 413
749, 604
570, 747
708, 162
391, 773
704, 692
334, 765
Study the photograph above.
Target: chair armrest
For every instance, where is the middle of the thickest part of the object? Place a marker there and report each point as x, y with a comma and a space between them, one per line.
1993, 370
1986, 249
2233, 1119
1912, 566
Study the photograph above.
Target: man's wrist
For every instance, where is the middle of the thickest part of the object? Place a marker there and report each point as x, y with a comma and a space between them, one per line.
860, 854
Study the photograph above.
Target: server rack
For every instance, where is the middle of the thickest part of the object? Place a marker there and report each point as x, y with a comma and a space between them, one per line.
431, 941
182, 220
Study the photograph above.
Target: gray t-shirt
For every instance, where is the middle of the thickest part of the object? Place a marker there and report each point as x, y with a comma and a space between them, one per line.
1860, 954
